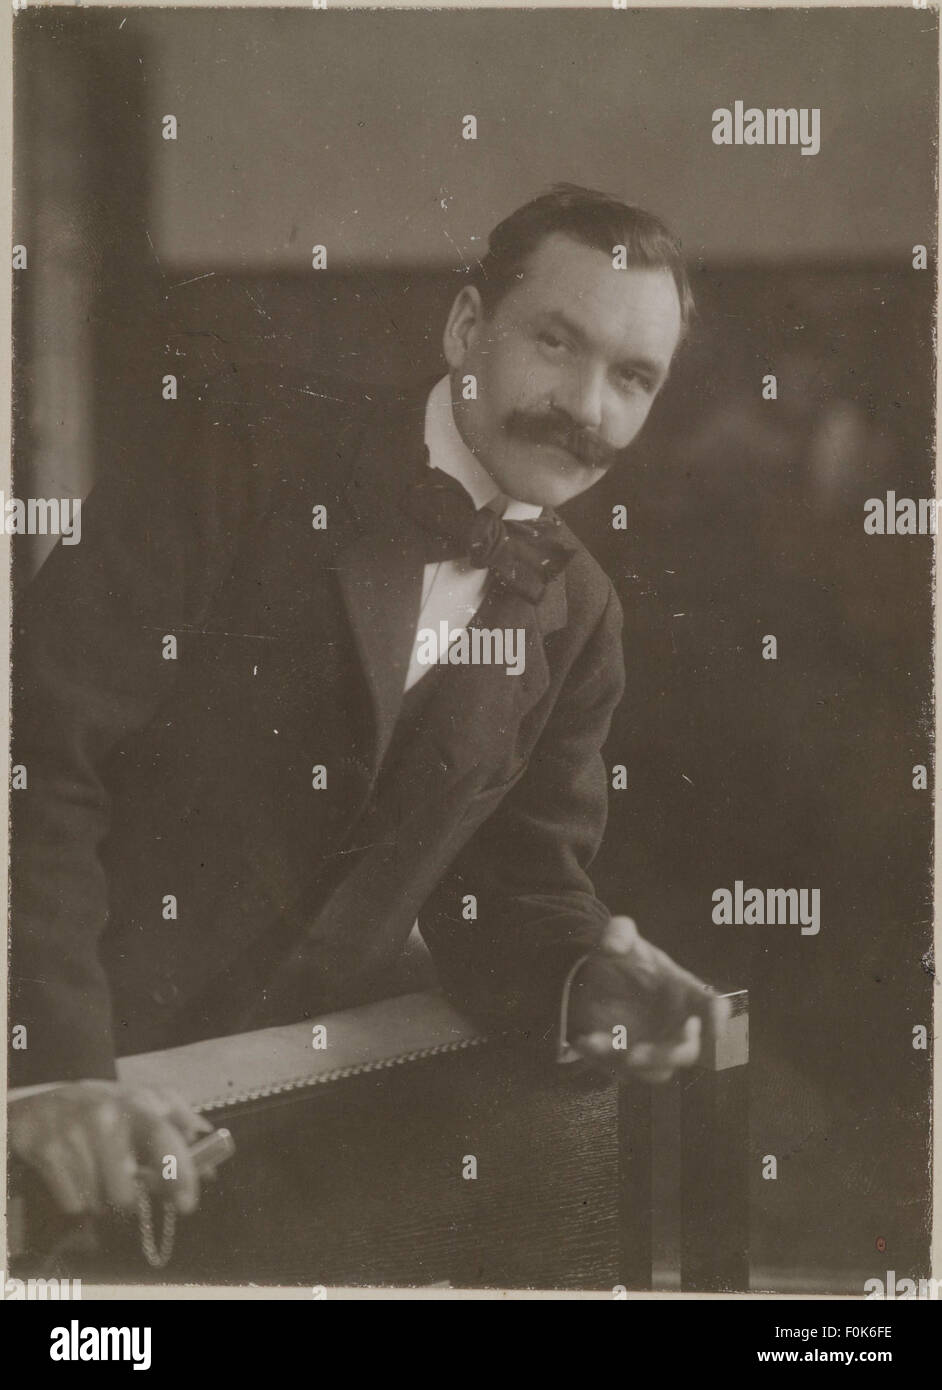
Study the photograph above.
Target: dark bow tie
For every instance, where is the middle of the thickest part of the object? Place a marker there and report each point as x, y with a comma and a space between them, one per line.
523, 555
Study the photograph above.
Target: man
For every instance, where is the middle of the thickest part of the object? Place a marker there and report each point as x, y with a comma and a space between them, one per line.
245, 783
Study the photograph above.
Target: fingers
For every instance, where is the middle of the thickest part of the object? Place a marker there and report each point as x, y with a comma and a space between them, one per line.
679, 1052
85, 1169
54, 1165
136, 1134
180, 1113
109, 1132
157, 1141
619, 937
656, 1063
649, 1061
701, 1000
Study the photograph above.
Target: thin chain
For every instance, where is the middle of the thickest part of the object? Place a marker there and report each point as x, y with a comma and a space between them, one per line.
156, 1257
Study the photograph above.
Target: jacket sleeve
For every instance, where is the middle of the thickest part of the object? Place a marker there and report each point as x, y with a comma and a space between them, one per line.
527, 865
89, 669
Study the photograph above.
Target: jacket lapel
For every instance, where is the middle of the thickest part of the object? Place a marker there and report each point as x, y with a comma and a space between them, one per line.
379, 561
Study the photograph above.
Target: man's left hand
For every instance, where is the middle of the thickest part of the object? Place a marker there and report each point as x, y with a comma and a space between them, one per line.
636, 1012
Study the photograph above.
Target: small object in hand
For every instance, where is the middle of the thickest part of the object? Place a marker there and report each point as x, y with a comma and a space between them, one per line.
208, 1153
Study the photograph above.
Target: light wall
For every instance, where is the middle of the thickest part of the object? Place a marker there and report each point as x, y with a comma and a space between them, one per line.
299, 127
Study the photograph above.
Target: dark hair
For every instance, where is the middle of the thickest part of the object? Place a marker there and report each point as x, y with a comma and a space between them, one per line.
595, 219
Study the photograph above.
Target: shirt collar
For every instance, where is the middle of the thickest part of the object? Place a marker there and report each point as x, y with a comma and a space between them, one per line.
448, 451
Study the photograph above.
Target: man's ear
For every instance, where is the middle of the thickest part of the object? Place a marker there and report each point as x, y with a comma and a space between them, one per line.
463, 323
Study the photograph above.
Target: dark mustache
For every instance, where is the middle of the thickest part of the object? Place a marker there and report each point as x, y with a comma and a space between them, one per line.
558, 428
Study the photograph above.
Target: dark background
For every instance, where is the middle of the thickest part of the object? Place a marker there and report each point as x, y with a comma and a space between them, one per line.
745, 516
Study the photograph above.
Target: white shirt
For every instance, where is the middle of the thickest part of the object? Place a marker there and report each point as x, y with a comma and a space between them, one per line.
452, 590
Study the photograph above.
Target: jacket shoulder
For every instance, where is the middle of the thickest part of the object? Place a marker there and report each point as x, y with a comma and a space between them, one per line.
589, 589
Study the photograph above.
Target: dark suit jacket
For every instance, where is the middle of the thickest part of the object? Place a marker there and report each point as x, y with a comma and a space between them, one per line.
192, 777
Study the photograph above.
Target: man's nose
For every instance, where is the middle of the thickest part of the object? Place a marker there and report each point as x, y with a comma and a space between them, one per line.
581, 397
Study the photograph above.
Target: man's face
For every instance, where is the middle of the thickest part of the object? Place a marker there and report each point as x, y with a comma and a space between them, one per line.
567, 367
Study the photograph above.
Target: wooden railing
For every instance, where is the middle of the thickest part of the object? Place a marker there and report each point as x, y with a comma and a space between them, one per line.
411, 1151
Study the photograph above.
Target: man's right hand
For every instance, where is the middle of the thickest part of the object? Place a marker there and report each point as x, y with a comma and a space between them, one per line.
92, 1141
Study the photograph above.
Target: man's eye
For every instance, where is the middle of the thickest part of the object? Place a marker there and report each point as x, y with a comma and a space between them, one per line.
550, 341
629, 380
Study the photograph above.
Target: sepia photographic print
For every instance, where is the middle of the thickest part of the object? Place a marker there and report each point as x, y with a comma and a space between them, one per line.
471, 525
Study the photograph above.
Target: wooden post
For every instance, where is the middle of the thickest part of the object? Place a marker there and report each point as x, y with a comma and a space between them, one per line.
713, 1195
714, 1163
635, 1126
